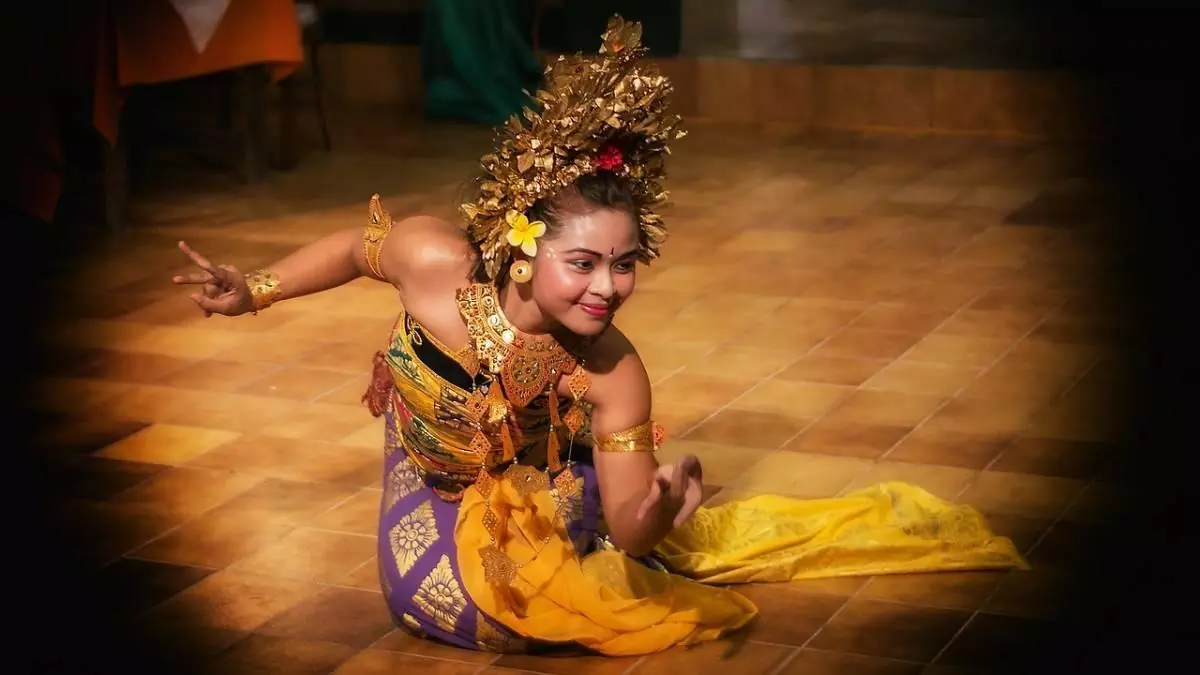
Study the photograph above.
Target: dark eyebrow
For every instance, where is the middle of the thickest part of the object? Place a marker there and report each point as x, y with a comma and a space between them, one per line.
600, 255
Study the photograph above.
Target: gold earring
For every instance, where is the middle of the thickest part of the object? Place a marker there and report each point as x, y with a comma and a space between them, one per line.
521, 271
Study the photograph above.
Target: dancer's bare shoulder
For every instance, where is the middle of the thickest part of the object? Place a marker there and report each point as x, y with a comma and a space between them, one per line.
426, 253
620, 385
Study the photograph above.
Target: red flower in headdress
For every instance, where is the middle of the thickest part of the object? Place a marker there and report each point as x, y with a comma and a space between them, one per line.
609, 158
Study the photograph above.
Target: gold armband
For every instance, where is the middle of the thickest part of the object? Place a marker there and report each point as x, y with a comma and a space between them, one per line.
264, 289
645, 437
379, 224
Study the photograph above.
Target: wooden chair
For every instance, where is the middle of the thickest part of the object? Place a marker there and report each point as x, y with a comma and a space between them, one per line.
308, 14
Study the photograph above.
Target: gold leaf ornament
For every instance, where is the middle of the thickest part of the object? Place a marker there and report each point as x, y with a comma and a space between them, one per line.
586, 104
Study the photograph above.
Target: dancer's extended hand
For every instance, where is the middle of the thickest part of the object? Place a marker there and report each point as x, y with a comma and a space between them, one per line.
224, 288
677, 489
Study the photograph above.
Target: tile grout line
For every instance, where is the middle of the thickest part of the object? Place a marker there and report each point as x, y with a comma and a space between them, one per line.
635, 665
262, 477
482, 668
776, 373
835, 615
920, 423
1024, 554
726, 405
233, 563
1063, 394
787, 660
327, 530
318, 397
986, 369
1057, 519
803, 356
364, 563
138, 558
961, 629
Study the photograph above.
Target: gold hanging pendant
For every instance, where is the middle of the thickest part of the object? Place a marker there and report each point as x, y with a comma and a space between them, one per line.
469, 360
480, 445
507, 446
575, 419
476, 406
578, 383
565, 489
553, 460
497, 406
485, 483
498, 568
491, 522
526, 480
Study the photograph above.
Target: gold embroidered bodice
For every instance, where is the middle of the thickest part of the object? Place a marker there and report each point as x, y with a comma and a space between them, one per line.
429, 413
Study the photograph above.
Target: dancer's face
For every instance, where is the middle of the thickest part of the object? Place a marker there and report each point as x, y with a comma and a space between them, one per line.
586, 268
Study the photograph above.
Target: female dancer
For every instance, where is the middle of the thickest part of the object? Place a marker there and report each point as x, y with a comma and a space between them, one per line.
522, 503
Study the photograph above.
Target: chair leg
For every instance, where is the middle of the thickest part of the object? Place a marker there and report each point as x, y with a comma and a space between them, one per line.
116, 186
251, 123
314, 59
289, 151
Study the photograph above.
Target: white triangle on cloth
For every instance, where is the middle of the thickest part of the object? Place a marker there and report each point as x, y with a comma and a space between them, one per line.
201, 18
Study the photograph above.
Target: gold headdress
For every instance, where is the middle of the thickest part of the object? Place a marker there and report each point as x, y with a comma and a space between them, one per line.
601, 112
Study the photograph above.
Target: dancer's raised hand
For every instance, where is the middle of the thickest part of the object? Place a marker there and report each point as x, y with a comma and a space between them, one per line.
223, 288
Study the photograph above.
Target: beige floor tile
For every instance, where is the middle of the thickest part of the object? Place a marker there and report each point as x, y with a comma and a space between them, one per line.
187, 491
848, 438
916, 377
297, 383
801, 474
233, 600
959, 350
1022, 494
699, 390
741, 363
886, 407
318, 421
804, 400
722, 464
941, 481
313, 555
833, 370
167, 444
289, 459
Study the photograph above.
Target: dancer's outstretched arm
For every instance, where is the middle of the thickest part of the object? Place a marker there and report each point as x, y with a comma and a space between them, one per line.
329, 262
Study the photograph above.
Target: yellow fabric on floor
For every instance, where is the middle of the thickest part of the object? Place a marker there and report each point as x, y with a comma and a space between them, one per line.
611, 604
886, 529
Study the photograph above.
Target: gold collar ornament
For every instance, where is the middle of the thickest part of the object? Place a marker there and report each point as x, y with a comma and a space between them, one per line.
601, 112
522, 367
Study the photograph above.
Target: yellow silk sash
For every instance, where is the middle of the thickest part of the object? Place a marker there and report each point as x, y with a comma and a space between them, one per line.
613, 605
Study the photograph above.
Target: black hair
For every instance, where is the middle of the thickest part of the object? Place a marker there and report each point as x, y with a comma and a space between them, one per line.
600, 190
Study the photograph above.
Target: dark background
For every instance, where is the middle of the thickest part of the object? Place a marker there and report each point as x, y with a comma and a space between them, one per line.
1142, 617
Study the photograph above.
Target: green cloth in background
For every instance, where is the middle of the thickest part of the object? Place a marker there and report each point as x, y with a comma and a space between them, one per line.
477, 58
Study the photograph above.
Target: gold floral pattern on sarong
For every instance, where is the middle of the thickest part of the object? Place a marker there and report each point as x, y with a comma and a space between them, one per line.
402, 481
412, 536
440, 596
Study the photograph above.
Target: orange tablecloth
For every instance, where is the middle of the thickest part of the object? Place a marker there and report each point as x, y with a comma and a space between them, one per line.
146, 42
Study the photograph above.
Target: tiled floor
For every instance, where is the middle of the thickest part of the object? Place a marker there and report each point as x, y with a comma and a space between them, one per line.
830, 313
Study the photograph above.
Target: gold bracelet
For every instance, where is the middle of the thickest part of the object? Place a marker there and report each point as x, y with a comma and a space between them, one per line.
379, 224
645, 437
264, 289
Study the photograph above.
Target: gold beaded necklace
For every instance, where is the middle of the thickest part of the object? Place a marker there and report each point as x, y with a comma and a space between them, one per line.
522, 367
